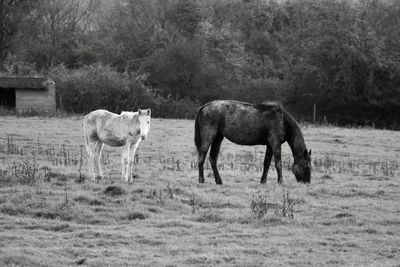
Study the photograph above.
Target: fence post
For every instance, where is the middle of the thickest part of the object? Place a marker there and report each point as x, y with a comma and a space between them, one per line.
314, 112
60, 106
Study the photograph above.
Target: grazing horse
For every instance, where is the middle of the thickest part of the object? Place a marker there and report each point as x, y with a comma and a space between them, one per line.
249, 124
127, 130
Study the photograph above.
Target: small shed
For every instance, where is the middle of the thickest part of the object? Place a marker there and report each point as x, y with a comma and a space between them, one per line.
26, 94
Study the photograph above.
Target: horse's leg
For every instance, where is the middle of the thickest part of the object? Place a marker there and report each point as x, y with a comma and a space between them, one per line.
267, 163
276, 148
90, 150
125, 159
131, 160
100, 148
97, 155
202, 153
215, 147
208, 134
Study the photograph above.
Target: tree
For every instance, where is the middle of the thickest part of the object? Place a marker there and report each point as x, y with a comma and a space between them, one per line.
11, 14
56, 30
183, 71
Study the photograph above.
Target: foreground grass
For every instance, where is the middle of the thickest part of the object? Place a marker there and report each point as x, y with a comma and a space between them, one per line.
349, 214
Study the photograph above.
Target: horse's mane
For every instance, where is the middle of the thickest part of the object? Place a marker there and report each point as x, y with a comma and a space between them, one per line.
130, 114
290, 121
294, 135
275, 106
268, 106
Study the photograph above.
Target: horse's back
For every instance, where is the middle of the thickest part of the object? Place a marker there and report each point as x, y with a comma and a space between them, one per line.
100, 117
100, 114
237, 112
244, 123
112, 129
233, 106
96, 121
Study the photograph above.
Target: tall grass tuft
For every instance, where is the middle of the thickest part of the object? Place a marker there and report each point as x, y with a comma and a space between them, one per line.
25, 172
259, 206
286, 210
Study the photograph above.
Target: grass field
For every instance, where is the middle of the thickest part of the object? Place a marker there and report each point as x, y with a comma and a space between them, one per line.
51, 214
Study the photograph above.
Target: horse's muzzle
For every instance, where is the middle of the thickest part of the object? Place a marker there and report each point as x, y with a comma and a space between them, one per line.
143, 137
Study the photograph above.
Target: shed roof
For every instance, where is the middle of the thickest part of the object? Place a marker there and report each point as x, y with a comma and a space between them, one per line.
35, 82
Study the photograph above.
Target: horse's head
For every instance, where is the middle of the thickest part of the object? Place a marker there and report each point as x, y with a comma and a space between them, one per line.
144, 121
302, 168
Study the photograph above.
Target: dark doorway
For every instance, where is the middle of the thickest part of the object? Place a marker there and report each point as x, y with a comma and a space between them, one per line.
7, 98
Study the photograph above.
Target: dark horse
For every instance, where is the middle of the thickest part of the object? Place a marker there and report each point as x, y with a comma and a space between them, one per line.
248, 124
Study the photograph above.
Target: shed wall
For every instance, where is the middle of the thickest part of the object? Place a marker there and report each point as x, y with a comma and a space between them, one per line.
41, 100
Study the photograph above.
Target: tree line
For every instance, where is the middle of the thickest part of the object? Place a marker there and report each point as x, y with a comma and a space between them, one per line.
173, 55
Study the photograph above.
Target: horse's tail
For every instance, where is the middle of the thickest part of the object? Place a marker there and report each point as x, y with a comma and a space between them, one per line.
197, 133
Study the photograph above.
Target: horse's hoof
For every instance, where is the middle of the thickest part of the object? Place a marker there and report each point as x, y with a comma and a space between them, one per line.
201, 180
263, 181
218, 182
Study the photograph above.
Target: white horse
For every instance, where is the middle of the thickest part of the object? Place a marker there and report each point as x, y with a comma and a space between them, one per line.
127, 130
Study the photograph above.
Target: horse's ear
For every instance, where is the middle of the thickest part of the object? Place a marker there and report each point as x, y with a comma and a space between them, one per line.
139, 111
148, 111
305, 153
309, 153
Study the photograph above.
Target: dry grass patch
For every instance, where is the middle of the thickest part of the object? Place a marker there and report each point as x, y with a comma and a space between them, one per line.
346, 216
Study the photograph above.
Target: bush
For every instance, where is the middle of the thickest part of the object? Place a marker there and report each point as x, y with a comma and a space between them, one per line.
90, 88
98, 86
